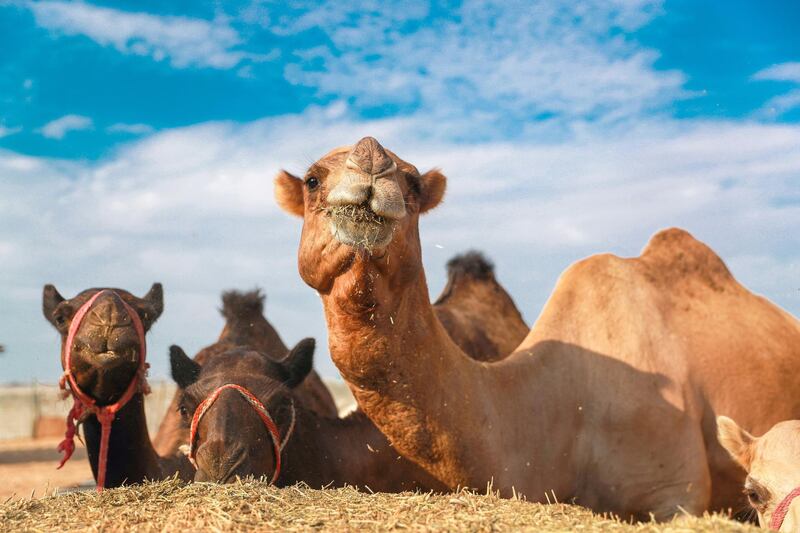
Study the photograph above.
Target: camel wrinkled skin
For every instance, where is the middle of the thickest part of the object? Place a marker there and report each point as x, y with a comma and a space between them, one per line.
772, 463
611, 399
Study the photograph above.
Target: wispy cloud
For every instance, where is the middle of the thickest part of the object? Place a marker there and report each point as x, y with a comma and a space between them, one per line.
486, 62
5, 131
133, 129
204, 220
780, 104
780, 72
183, 41
59, 127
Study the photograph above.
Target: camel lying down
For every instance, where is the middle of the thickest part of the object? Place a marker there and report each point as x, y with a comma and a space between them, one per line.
610, 400
772, 463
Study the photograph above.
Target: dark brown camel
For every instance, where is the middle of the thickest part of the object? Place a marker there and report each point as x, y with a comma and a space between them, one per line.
104, 361
245, 325
320, 451
476, 311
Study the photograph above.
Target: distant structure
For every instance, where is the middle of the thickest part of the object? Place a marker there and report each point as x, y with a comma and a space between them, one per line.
2, 348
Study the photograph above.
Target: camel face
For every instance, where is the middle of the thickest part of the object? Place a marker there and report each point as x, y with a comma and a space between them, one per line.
232, 439
358, 202
106, 346
772, 462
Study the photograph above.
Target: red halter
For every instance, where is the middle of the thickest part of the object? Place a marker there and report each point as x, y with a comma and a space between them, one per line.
83, 403
272, 428
782, 509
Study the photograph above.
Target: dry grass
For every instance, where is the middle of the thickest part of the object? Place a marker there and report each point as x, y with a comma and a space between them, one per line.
256, 506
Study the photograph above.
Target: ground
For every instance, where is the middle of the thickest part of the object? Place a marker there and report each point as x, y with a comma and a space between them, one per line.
28, 467
256, 506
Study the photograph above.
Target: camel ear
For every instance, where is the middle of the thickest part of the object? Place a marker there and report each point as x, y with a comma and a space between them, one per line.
185, 371
298, 362
51, 298
737, 441
432, 186
289, 193
151, 305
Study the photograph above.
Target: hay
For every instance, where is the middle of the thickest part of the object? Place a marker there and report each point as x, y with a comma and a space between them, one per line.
359, 226
255, 506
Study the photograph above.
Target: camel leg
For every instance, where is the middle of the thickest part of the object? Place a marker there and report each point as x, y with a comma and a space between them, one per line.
659, 472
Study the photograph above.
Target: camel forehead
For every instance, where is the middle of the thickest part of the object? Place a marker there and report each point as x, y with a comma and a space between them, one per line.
781, 443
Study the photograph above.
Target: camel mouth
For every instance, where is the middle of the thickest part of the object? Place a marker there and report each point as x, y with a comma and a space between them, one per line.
359, 226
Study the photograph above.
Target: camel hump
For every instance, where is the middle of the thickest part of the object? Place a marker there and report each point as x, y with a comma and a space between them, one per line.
470, 265
238, 305
674, 253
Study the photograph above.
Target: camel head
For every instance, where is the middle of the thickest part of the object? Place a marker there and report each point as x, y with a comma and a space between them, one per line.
772, 462
231, 438
105, 350
359, 203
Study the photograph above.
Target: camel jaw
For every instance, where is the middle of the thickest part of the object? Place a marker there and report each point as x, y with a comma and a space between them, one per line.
360, 227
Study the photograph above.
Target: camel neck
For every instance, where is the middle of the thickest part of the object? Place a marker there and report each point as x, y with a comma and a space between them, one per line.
131, 457
437, 406
348, 451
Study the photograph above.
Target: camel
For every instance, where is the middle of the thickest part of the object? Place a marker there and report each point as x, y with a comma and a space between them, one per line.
245, 325
608, 402
771, 462
311, 448
476, 311
105, 372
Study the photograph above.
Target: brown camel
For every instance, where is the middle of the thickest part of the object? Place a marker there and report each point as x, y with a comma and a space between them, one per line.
772, 463
477, 312
609, 401
105, 359
245, 325
321, 451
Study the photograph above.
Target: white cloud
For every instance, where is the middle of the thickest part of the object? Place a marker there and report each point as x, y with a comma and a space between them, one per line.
193, 208
185, 41
5, 131
487, 61
780, 72
59, 127
780, 104
133, 129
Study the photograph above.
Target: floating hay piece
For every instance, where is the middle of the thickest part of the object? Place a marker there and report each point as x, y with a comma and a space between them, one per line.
256, 506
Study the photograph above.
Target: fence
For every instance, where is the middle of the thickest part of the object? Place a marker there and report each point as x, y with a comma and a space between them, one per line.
34, 411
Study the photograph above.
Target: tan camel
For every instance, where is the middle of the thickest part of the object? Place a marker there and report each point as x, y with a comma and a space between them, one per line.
105, 358
610, 400
245, 325
772, 463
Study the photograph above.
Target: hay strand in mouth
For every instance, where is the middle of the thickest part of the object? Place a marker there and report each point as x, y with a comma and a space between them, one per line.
359, 226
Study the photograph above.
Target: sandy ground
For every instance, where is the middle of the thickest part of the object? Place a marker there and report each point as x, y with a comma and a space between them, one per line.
28, 467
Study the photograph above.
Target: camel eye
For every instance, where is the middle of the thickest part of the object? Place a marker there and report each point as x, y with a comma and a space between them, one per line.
60, 320
756, 498
183, 411
312, 183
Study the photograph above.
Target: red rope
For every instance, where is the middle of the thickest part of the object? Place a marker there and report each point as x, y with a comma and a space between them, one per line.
779, 515
262, 412
84, 404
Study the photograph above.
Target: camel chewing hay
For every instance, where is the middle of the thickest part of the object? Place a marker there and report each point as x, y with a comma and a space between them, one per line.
256, 506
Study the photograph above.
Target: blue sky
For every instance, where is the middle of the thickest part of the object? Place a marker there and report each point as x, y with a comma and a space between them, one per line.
138, 141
